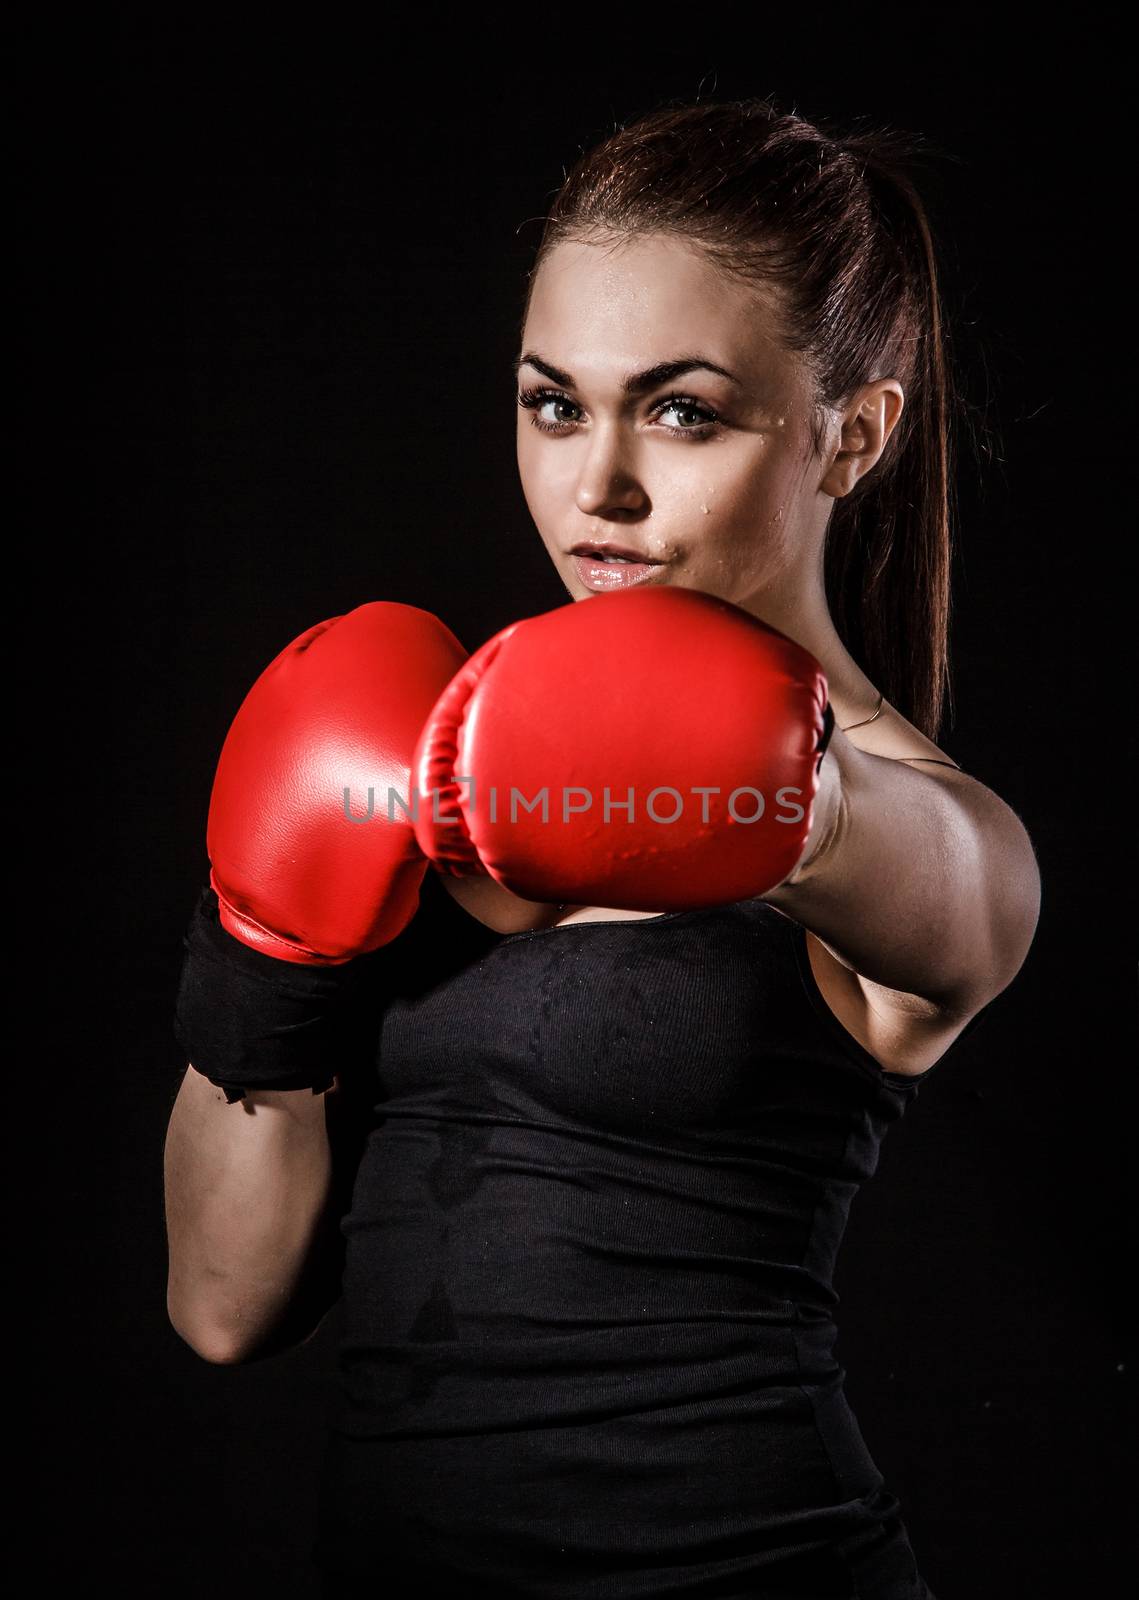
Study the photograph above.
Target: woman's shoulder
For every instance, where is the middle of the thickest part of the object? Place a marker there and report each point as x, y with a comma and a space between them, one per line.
894, 738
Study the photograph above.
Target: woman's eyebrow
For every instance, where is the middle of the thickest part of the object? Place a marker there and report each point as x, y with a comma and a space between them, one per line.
635, 382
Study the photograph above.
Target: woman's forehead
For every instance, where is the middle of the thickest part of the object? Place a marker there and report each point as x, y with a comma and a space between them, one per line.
603, 324
601, 318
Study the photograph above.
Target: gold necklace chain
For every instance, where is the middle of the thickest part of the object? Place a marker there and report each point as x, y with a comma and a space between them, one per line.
865, 720
934, 760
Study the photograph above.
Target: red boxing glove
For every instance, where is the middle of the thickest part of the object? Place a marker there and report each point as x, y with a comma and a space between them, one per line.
338, 710
666, 743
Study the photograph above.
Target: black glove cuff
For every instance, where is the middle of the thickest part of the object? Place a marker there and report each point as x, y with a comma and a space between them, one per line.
246, 1020
825, 737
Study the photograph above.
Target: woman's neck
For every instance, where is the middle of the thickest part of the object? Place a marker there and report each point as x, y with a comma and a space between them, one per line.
853, 696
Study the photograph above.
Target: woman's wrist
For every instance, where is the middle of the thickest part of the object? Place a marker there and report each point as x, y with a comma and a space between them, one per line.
828, 816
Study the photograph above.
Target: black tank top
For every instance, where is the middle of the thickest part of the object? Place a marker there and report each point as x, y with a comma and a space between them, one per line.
589, 1336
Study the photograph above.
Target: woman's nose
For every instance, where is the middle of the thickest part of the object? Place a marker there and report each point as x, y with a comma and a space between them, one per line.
608, 481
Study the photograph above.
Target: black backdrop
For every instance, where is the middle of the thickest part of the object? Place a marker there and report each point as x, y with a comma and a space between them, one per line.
301, 251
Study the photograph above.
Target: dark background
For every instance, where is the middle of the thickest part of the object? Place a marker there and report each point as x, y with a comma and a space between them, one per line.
294, 266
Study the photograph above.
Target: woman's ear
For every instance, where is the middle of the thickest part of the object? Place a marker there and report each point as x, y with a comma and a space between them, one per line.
866, 424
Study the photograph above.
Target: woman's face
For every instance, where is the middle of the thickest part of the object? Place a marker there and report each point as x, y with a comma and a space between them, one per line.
709, 476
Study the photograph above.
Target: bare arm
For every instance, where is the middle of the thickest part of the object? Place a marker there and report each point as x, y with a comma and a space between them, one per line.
252, 1213
921, 881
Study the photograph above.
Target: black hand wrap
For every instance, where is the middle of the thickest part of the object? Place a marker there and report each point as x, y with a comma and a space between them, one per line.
246, 1020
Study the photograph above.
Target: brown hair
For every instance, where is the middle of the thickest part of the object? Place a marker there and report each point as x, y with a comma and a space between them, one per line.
835, 222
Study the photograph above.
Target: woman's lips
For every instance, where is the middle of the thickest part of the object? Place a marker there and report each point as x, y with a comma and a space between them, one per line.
598, 574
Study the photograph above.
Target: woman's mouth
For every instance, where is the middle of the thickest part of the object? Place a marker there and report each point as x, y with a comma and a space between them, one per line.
607, 569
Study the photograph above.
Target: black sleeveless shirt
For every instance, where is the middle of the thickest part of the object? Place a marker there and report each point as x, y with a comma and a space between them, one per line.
589, 1329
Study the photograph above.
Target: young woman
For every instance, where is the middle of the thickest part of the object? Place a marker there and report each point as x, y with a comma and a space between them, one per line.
590, 1163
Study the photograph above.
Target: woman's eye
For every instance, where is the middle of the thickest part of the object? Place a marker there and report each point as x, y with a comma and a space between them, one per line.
537, 401
555, 402
691, 409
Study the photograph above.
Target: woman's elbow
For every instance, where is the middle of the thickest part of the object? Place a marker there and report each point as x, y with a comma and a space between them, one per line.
226, 1344
220, 1346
